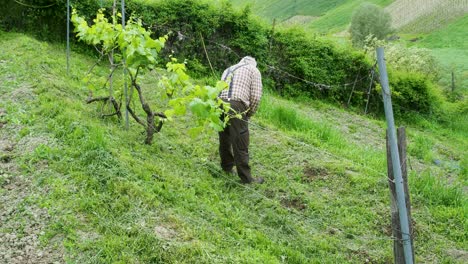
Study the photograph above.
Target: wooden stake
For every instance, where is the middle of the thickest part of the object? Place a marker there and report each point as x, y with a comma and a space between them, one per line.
398, 245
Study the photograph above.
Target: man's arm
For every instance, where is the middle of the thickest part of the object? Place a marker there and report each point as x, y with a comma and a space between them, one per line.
255, 92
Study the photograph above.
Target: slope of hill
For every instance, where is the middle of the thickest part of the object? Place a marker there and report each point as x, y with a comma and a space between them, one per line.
76, 188
337, 19
439, 25
324, 15
424, 16
452, 35
420, 16
282, 10
448, 44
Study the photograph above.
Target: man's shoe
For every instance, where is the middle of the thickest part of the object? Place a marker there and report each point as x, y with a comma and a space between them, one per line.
258, 180
230, 172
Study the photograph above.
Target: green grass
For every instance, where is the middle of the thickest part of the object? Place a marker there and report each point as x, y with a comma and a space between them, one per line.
451, 36
285, 9
437, 192
330, 14
446, 37
421, 148
453, 60
338, 19
448, 45
113, 199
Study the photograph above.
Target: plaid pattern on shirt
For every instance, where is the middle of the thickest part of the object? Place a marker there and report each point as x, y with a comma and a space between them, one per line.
245, 83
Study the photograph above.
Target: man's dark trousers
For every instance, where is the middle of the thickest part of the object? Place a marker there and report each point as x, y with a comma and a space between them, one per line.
234, 144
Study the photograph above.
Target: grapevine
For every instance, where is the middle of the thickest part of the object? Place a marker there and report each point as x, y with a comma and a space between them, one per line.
134, 50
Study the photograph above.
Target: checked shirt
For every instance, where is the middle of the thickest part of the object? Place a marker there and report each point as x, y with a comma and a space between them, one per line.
245, 85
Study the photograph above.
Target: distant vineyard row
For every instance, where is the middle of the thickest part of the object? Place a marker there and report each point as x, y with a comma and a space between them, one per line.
422, 16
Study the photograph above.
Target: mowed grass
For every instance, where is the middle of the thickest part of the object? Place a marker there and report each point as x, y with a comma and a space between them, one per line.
115, 200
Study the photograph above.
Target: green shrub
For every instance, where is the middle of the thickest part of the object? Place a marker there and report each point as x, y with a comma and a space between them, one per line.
317, 61
412, 59
412, 92
45, 19
369, 19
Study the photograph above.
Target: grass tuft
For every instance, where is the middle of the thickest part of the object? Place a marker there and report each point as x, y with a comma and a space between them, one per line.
437, 191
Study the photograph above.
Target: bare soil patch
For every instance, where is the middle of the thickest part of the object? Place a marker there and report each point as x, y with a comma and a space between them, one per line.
458, 255
295, 203
362, 254
165, 232
22, 222
314, 173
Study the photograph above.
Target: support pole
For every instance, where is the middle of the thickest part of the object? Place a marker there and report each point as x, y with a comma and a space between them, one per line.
124, 70
111, 57
68, 37
370, 89
400, 192
352, 90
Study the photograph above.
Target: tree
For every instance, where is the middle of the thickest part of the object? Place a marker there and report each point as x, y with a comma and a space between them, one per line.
369, 19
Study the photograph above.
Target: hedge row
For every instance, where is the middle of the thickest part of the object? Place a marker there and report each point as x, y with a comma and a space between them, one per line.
286, 57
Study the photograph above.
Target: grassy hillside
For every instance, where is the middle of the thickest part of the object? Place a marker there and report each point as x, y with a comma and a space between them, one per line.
420, 16
76, 188
448, 44
325, 16
439, 25
337, 19
451, 36
282, 10
425, 16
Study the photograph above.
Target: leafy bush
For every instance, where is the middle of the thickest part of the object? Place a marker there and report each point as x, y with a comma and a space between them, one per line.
409, 59
412, 59
46, 19
229, 34
412, 92
317, 61
369, 19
